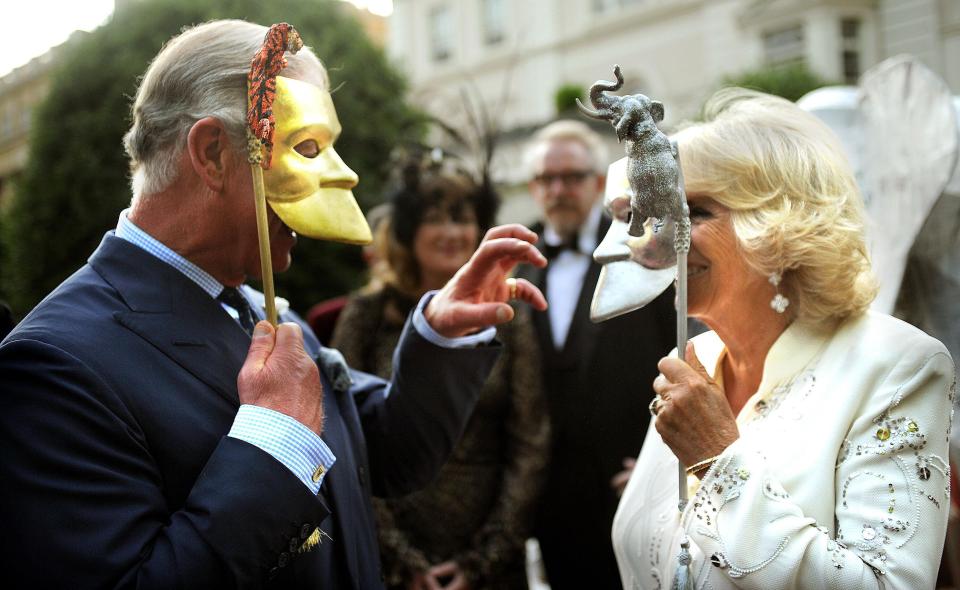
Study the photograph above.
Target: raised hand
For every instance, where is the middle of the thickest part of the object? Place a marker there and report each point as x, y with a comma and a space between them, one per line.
693, 415
476, 297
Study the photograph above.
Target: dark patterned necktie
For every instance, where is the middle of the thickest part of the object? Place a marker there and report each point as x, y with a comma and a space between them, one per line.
232, 297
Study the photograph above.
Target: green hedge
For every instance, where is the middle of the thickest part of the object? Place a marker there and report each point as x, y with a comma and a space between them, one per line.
791, 81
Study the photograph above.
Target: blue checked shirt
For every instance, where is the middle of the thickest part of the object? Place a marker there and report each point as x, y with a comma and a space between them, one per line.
284, 438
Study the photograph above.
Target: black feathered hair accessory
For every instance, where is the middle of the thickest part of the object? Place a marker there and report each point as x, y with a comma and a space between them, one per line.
429, 178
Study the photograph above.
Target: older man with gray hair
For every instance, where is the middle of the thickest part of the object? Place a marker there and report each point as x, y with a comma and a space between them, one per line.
155, 432
597, 377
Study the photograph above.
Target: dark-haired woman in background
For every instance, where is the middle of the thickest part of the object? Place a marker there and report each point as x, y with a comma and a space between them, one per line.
468, 528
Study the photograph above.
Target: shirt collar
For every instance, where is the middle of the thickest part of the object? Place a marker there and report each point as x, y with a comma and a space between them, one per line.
127, 230
587, 241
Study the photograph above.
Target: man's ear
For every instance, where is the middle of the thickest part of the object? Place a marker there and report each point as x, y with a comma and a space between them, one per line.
209, 151
601, 184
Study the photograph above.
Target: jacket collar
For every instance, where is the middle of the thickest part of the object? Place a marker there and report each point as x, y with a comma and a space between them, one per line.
790, 354
174, 314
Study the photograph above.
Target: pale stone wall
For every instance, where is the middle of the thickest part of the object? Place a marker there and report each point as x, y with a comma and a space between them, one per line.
676, 51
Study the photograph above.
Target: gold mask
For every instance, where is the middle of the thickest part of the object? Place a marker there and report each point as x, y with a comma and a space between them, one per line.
310, 189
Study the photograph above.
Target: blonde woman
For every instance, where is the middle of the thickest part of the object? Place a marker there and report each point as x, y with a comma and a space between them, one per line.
815, 430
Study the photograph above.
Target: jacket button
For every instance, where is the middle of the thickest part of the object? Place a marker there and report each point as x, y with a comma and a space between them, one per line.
284, 559
294, 544
273, 572
362, 474
305, 531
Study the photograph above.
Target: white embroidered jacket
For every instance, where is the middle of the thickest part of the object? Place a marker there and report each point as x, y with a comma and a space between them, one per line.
839, 478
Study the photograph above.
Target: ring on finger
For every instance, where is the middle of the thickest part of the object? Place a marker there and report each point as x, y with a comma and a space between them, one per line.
512, 285
654, 406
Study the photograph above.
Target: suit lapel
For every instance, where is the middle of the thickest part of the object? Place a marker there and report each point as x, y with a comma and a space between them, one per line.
191, 328
174, 314
538, 277
583, 331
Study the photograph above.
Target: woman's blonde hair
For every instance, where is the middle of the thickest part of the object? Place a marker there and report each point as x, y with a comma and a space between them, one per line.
794, 203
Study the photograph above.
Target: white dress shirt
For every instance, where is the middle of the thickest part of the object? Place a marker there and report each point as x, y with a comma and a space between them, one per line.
565, 275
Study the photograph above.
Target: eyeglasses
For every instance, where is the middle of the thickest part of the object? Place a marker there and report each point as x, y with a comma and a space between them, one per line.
567, 178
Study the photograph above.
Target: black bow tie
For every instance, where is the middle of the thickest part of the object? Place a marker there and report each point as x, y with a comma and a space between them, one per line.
553, 250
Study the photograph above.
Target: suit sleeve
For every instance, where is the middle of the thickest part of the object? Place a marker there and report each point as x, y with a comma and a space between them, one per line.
891, 493
83, 502
411, 426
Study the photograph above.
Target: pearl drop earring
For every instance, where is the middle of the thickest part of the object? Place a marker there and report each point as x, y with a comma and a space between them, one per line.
779, 303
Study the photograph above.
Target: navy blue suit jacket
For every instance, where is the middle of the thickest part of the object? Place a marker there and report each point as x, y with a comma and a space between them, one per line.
116, 395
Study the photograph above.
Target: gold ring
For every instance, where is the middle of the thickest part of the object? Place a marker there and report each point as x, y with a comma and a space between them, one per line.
654, 406
512, 285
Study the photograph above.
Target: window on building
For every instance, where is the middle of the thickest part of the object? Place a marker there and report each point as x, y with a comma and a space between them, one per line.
850, 52
441, 32
494, 21
784, 46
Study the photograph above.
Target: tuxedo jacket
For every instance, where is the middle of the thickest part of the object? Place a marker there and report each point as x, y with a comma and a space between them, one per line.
598, 388
116, 395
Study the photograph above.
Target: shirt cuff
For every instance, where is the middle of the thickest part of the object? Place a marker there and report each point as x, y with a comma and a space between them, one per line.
286, 440
424, 328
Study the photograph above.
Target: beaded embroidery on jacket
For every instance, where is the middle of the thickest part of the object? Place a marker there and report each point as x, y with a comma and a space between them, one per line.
894, 434
898, 437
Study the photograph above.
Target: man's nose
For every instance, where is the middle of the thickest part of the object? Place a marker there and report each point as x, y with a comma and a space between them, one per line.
557, 188
338, 174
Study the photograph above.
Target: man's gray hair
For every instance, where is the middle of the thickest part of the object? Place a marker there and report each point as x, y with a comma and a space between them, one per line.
200, 73
566, 129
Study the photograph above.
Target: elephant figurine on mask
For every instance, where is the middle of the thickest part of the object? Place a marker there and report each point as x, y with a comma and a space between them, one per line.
653, 168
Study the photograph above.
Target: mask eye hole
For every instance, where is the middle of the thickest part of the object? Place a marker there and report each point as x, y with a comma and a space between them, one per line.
619, 209
308, 148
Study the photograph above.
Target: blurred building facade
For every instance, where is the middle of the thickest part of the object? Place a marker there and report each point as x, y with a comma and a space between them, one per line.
24, 88
21, 91
514, 56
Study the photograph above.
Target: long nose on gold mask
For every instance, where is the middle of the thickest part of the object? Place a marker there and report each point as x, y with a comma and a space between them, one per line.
308, 185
